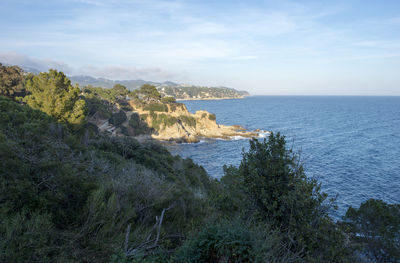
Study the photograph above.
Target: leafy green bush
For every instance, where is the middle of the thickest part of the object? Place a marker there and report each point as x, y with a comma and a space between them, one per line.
176, 105
223, 242
375, 225
168, 100
163, 119
188, 120
118, 118
156, 107
270, 186
11, 81
96, 106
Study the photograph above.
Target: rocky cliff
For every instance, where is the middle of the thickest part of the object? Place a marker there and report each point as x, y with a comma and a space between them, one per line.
178, 124
145, 114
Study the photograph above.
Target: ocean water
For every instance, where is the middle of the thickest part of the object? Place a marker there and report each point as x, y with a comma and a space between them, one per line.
350, 144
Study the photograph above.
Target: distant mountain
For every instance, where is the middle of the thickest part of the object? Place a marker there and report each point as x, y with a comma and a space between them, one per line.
167, 88
107, 83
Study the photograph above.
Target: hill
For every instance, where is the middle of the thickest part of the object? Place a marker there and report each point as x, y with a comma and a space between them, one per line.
167, 88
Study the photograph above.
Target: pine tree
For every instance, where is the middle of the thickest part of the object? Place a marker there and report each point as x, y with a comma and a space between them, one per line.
53, 94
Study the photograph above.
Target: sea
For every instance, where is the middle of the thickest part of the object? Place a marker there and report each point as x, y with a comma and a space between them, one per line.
350, 144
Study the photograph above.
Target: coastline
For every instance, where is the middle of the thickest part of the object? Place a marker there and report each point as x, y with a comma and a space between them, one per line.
227, 98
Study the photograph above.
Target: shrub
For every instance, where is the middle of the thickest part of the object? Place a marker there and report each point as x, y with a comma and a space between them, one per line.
212, 117
11, 81
188, 120
118, 118
223, 242
168, 100
156, 107
376, 226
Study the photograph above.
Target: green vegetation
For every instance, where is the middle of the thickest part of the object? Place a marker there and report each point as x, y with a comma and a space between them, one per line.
168, 100
188, 120
118, 118
70, 197
148, 93
156, 107
53, 94
375, 227
116, 94
138, 125
212, 117
162, 119
177, 105
11, 81
70, 194
196, 92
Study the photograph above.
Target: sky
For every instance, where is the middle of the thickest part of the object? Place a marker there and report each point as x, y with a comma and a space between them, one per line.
265, 47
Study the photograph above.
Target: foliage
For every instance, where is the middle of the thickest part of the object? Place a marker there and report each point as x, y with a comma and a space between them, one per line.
149, 93
117, 119
196, 92
53, 94
212, 117
222, 242
69, 196
270, 186
156, 107
188, 120
139, 126
162, 120
168, 100
11, 81
277, 184
376, 226
96, 106
116, 94
176, 105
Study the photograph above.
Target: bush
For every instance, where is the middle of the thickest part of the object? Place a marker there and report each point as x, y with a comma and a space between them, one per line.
223, 242
163, 119
156, 107
280, 194
375, 225
168, 100
118, 118
188, 120
212, 117
11, 81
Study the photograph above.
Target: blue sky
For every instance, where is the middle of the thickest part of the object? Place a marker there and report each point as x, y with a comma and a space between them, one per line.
265, 47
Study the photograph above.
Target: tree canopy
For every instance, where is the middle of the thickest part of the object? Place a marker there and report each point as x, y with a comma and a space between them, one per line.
11, 81
53, 94
149, 92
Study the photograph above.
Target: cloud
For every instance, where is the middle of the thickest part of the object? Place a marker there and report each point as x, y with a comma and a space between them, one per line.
244, 58
111, 72
22, 60
115, 72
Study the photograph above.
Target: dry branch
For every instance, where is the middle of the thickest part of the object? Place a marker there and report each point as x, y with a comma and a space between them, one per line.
147, 244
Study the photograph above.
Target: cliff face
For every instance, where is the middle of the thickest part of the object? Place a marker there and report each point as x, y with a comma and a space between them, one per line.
163, 121
178, 124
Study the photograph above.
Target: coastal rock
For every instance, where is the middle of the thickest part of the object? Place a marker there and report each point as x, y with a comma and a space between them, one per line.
204, 125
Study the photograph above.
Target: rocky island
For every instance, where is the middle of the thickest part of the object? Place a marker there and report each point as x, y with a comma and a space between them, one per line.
146, 114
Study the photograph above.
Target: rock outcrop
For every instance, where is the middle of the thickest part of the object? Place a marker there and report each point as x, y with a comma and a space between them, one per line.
178, 124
